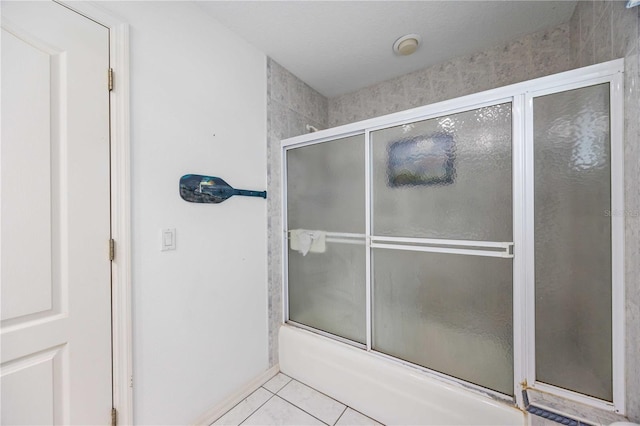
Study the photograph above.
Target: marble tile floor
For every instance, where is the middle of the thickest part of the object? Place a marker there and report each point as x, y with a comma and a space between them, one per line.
284, 401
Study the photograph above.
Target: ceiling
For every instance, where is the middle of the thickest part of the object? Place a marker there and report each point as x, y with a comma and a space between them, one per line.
340, 46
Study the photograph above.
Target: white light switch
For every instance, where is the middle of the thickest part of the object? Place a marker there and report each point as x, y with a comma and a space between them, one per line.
168, 239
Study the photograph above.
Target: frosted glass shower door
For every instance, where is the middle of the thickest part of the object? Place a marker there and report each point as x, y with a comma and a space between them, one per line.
479, 240
573, 240
441, 238
326, 196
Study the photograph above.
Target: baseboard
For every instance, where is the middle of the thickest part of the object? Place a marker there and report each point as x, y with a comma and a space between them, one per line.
218, 410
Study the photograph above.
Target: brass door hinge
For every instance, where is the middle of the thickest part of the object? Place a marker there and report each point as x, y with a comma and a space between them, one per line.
112, 249
114, 417
110, 79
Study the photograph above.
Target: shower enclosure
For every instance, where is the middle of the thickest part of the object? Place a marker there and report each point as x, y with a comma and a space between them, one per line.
475, 239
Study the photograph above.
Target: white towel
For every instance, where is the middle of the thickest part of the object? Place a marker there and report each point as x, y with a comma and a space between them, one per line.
305, 241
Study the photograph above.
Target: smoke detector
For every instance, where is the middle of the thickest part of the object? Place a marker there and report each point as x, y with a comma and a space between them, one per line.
406, 45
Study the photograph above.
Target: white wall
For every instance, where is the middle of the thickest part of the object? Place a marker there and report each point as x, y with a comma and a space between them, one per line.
200, 312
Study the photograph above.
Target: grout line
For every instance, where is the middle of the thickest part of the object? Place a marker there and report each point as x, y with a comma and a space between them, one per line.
231, 409
302, 409
283, 386
323, 394
254, 411
344, 410
342, 414
360, 412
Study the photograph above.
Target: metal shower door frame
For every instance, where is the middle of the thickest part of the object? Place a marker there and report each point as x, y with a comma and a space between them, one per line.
520, 96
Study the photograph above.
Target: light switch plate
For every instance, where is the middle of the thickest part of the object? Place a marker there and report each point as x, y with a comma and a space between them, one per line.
168, 239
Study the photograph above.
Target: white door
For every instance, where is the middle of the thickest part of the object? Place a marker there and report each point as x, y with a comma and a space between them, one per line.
55, 221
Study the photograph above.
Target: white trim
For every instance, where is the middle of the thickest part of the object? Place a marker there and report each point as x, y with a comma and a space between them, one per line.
529, 243
219, 410
341, 238
346, 235
313, 141
284, 233
368, 261
444, 242
572, 85
345, 241
121, 226
122, 325
520, 254
350, 235
426, 249
617, 242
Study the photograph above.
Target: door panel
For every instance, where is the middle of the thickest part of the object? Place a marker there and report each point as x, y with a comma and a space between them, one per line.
325, 186
55, 271
26, 290
573, 313
442, 206
31, 388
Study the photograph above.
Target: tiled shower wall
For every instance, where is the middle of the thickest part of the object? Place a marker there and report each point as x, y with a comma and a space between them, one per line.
602, 31
291, 105
531, 56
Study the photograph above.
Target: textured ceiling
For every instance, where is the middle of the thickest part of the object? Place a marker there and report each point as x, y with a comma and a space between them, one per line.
340, 46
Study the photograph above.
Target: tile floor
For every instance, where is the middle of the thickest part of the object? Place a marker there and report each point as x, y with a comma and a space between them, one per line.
284, 401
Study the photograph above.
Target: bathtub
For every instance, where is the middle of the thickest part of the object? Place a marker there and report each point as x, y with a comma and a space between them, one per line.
389, 392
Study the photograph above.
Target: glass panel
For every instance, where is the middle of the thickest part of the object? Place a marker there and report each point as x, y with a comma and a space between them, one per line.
447, 177
326, 193
447, 312
573, 240
327, 290
325, 186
